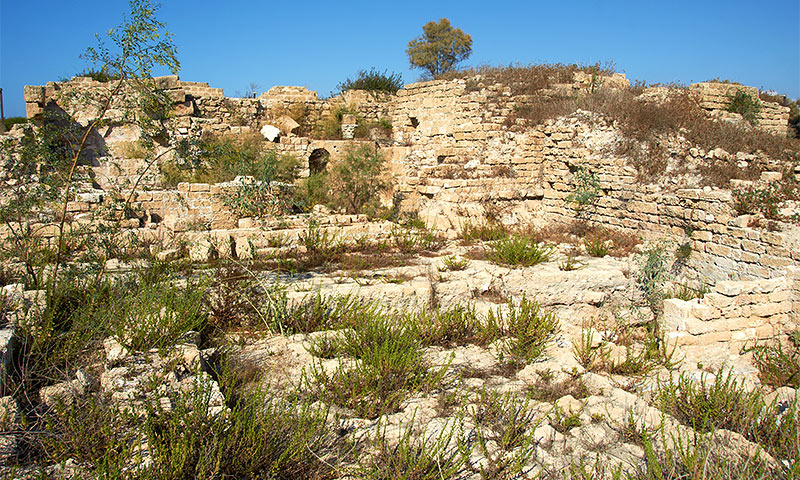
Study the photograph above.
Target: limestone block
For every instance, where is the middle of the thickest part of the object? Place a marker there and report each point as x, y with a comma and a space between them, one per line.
202, 250
676, 313
270, 132
731, 288
167, 82
34, 94
177, 96
769, 309
705, 312
32, 110
771, 176
182, 109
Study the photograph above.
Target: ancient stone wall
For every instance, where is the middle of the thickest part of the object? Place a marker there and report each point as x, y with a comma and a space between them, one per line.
454, 160
715, 97
460, 163
734, 313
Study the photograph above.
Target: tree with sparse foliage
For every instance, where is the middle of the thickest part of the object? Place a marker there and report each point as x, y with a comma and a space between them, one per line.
440, 47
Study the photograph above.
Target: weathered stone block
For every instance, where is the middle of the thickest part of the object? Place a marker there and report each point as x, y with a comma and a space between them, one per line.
167, 82
34, 94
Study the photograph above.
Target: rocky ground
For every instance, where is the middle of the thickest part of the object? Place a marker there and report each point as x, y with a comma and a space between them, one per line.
604, 396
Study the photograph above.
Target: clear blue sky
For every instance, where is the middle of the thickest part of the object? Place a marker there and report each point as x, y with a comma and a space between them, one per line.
318, 44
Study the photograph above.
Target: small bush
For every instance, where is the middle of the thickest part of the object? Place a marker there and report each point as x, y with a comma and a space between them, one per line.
414, 238
483, 232
420, 459
357, 179
707, 405
519, 250
546, 390
451, 263
569, 263
563, 421
391, 365
751, 200
683, 252
322, 245
778, 362
652, 273
156, 315
458, 325
11, 121
597, 244
587, 189
725, 403
528, 326
373, 81
221, 158
685, 292
510, 423
746, 106
262, 436
102, 75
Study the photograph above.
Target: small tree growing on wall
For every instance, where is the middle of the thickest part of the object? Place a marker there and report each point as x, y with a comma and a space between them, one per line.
440, 47
48, 164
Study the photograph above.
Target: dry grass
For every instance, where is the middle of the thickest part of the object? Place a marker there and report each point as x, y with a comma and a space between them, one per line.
524, 80
647, 125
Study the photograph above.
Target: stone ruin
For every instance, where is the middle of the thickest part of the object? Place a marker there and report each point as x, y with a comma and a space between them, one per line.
452, 157
450, 153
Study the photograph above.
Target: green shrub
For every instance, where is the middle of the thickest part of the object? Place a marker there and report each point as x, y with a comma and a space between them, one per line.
313, 190
156, 315
725, 403
587, 189
685, 456
528, 327
452, 263
778, 362
597, 244
751, 200
101, 75
745, 105
414, 238
221, 158
510, 423
458, 325
373, 81
11, 121
356, 179
391, 366
519, 250
484, 232
322, 245
420, 459
262, 436
652, 273
683, 252
685, 292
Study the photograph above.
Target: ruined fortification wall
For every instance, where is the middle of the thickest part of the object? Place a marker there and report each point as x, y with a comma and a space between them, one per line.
461, 161
735, 313
454, 159
715, 97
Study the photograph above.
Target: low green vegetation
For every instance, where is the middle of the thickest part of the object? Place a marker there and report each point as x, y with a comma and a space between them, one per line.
373, 81
721, 402
745, 105
519, 250
11, 121
221, 158
778, 361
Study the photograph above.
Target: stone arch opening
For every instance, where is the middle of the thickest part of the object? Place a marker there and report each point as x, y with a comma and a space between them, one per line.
318, 161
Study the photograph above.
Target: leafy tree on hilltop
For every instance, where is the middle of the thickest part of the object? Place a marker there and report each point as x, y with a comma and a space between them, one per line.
440, 47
